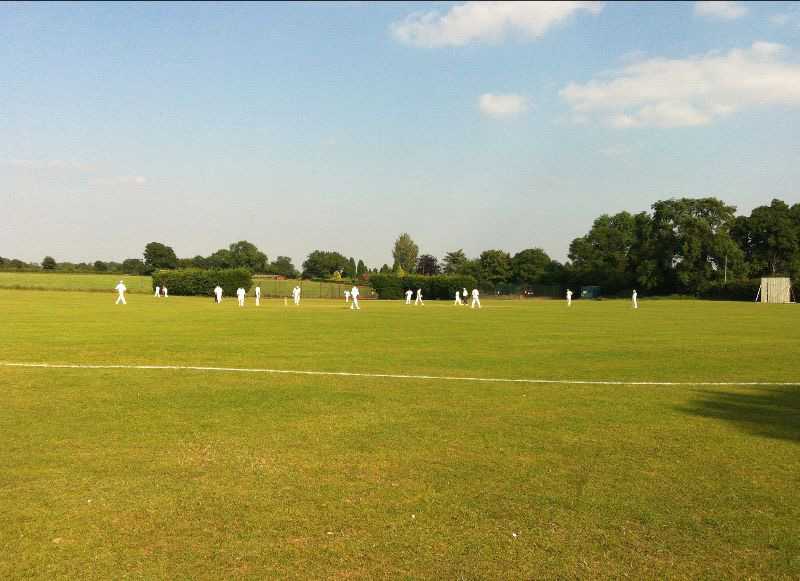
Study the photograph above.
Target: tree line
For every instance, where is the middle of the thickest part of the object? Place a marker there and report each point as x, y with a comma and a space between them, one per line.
681, 245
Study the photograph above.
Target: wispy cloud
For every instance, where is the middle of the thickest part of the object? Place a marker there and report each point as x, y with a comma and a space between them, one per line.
486, 22
698, 90
48, 164
791, 18
720, 10
500, 106
118, 180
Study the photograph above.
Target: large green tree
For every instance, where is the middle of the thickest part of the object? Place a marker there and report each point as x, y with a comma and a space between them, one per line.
495, 266
158, 255
770, 239
48, 263
283, 266
603, 256
242, 254
405, 252
454, 261
530, 266
323, 263
427, 264
693, 241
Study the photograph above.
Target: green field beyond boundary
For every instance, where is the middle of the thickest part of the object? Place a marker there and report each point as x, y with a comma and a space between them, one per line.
167, 474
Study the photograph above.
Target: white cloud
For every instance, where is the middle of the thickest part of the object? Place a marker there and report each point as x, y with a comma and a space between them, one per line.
661, 92
486, 22
119, 180
46, 164
720, 10
502, 105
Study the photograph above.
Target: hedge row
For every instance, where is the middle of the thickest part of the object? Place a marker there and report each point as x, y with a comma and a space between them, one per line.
195, 281
390, 286
735, 290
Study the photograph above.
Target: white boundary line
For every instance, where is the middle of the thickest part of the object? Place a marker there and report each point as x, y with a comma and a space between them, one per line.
398, 376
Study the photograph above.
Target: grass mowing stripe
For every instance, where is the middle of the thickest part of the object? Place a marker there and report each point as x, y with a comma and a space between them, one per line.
400, 376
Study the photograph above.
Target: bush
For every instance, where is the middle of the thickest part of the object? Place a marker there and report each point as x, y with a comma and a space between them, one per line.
197, 282
735, 290
390, 286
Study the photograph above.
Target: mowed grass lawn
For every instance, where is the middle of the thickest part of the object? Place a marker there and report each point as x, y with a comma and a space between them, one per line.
112, 473
73, 281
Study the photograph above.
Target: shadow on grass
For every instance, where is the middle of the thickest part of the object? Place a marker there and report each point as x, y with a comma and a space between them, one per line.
772, 413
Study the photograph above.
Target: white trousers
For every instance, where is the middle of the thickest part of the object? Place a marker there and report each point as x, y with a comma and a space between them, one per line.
241, 301
354, 304
408, 301
569, 302
475, 301
297, 300
458, 300
121, 299
258, 300
418, 302
158, 292
635, 304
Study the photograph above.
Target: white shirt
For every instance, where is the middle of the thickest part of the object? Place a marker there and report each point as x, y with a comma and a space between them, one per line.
121, 288
569, 294
465, 292
475, 293
240, 292
409, 293
258, 291
419, 292
354, 292
218, 290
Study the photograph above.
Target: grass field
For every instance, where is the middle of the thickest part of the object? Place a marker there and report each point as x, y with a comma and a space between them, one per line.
73, 282
112, 473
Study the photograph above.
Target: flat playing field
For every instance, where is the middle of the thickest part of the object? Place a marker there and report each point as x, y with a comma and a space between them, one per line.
181, 473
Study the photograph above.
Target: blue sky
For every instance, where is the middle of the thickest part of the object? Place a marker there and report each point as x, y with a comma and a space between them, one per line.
340, 125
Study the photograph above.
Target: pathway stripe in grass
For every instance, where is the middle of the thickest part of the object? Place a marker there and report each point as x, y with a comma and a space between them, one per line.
398, 376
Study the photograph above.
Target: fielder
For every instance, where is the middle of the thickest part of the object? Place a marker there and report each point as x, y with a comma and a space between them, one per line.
409, 292
121, 288
158, 292
569, 298
633, 298
418, 301
475, 299
240, 292
458, 298
296, 295
346, 296
354, 293
218, 294
258, 296
464, 295
164, 291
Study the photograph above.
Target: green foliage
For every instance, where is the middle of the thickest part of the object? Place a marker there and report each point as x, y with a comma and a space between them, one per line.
48, 263
495, 266
100, 266
770, 238
242, 254
197, 282
385, 269
405, 252
454, 262
390, 286
428, 265
361, 268
323, 263
283, 266
737, 290
157, 256
133, 266
530, 266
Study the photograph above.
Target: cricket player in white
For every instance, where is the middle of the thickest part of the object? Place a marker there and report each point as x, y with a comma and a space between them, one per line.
458, 298
158, 292
409, 292
569, 298
218, 293
240, 292
418, 300
354, 294
633, 298
121, 288
346, 296
258, 296
164, 291
296, 294
475, 298
464, 294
